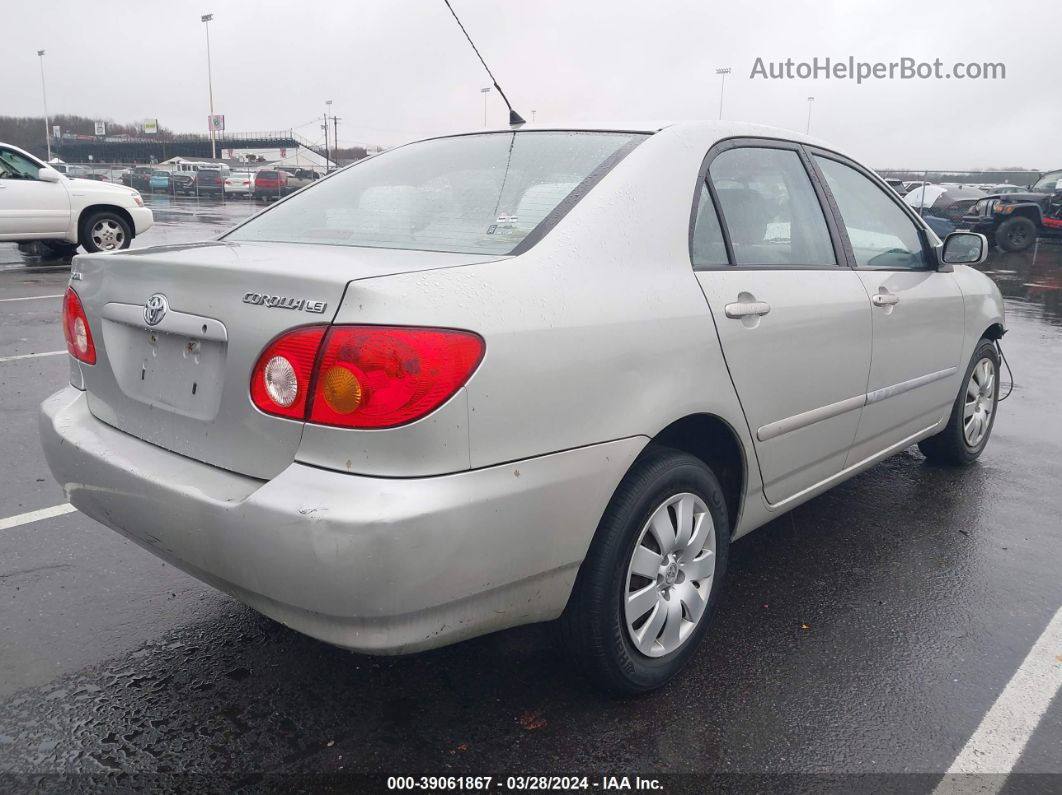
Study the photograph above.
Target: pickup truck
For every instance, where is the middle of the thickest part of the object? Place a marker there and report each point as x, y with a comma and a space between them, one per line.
1015, 220
49, 214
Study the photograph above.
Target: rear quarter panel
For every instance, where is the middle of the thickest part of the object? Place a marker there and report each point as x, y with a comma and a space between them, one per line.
599, 332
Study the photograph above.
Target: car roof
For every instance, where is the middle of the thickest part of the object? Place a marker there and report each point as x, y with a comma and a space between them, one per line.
722, 129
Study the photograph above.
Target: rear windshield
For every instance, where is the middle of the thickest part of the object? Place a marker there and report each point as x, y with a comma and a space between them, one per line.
468, 194
267, 174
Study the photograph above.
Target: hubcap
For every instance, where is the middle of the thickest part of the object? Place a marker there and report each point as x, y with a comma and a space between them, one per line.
107, 235
980, 402
669, 577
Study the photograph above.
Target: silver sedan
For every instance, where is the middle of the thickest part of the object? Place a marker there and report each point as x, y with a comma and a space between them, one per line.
515, 376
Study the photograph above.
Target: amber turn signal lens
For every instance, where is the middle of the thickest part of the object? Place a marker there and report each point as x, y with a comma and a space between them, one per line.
341, 390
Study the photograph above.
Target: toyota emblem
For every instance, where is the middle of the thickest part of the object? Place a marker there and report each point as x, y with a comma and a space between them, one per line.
155, 309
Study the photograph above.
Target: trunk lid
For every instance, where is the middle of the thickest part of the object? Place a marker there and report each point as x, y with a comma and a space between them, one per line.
183, 383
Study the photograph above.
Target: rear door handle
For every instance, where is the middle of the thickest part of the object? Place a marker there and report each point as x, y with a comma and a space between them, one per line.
884, 299
747, 309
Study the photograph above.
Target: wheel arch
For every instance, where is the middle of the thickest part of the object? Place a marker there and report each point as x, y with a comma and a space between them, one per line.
994, 332
1030, 211
714, 441
94, 208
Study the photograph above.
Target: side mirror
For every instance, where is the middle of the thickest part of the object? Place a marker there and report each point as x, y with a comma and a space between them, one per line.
48, 175
964, 248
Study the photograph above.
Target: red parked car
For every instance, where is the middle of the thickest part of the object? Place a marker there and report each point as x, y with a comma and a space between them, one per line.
270, 184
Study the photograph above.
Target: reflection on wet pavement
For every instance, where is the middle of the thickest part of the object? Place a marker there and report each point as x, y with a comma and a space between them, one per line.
1032, 277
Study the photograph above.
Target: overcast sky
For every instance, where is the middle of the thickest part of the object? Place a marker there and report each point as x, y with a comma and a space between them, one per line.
400, 69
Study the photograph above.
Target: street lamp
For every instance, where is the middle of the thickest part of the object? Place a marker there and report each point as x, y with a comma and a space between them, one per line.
205, 19
484, 92
44, 96
810, 101
533, 116
722, 72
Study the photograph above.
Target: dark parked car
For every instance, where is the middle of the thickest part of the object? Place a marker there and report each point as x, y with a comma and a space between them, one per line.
300, 178
1013, 221
138, 177
209, 180
183, 184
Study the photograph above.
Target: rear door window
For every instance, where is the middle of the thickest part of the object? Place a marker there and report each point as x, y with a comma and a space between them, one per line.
770, 209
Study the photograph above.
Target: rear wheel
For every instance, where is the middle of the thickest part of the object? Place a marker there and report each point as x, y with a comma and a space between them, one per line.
645, 592
105, 230
1016, 234
972, 415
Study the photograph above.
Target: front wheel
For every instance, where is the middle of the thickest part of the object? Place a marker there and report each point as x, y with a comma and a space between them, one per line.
644, 595
972, 415
105, 231
1016, 234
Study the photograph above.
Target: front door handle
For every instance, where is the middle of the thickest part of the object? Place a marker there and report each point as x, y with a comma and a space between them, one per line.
747, 309
885, 299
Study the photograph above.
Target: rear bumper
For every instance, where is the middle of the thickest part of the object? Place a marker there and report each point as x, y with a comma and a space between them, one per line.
142, 219
379, 565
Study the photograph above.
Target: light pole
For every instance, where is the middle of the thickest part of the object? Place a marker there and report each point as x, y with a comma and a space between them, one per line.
810, 101
533, 116
205, 19
722, 72
44, 96
484, 92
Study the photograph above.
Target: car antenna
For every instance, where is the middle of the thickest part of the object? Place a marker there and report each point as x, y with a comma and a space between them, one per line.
515, 119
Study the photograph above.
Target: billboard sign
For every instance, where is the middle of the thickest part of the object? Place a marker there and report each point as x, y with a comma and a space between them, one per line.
216, 123
151, 127
101, 128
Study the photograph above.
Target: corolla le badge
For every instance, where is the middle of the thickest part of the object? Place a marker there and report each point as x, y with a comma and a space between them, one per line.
284, 302
155, 309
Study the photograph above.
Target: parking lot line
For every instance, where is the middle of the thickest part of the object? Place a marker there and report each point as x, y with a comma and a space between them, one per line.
36, 516
30, 298
29, 356
994, 748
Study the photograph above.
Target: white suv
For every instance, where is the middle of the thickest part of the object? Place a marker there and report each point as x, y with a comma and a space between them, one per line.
41, 208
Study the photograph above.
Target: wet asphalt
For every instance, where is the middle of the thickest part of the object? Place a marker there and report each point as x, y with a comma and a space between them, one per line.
864, 634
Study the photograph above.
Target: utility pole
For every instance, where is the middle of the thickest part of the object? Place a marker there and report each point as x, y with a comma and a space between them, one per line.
484, 92
722, 72
205, 19
810, 101
44, 95
335, 135
328, 157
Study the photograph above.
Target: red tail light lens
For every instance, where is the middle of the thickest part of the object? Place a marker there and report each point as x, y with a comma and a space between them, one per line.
382, 376
280, 383
363, 376
76, 329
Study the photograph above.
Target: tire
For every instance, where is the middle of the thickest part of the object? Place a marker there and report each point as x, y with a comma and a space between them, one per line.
597, 630
962, 441
59, 251
1016, 234
105, 230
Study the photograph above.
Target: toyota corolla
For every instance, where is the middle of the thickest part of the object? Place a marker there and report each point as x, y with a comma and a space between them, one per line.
507, 377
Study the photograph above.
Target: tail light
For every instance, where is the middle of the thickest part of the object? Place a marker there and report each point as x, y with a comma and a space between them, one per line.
363, 376
281, 381
76, 329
